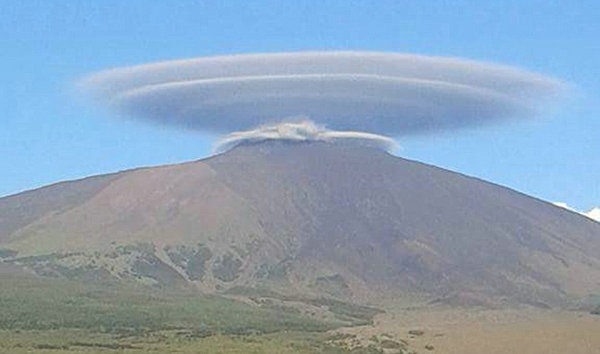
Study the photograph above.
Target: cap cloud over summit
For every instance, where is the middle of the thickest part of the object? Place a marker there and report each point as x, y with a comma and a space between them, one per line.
302, 131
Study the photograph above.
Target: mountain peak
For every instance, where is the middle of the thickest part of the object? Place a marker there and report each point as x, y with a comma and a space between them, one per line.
303, 147
314, 217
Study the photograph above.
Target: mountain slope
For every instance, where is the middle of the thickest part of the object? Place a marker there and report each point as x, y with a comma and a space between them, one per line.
315, 218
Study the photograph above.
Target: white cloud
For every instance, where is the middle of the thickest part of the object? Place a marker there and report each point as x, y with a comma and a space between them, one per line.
593, 213
302, 130
382, 93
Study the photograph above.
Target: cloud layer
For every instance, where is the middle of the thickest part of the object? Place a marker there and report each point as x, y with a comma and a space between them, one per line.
593, 213
303, 130
381, 93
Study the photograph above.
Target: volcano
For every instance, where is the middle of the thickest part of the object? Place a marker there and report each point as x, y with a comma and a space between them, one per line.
339, 220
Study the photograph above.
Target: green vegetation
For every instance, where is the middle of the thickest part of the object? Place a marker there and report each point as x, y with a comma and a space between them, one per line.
255, 292
334, 285
191, 259
227, 267
357, 315
416, 332
276, 271
56, 265
148, 265
57, 315
49, 304
353, 314
76, 341
390, 344
133, 261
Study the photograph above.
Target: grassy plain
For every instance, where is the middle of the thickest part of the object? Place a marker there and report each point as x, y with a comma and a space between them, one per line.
526, 330
41, 315
58, 316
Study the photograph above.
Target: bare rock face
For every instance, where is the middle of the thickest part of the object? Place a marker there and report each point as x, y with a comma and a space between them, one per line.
345, 221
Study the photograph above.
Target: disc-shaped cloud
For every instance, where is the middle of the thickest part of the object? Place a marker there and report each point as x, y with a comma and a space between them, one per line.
392, 94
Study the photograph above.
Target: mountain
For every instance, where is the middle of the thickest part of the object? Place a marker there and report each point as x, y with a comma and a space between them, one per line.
338, 220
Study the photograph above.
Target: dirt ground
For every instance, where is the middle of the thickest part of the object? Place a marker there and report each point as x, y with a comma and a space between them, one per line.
460, 331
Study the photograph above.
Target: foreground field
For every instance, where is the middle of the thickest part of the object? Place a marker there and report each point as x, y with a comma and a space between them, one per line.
41, 315
445, 331
475, 331
72, 342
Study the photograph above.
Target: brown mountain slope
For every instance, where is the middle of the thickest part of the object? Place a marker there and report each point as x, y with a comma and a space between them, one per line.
343, 220
19, 210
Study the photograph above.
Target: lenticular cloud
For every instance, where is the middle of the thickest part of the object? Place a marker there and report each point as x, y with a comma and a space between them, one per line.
380, 93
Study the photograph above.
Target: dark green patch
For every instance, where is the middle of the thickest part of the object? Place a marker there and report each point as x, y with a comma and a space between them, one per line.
352, 313
416, 332
277, 271
113, 346
390, 344
50, 265
48, 304
334, 285
44, 346
254, 292
278, 307
227, 267
356, 314
341, 336
150, 266
196, 264
192, 260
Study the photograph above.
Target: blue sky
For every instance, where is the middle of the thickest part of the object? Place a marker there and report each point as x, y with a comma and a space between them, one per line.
49, 134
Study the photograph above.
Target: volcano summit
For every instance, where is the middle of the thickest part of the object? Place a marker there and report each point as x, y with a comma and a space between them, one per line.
316, 218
